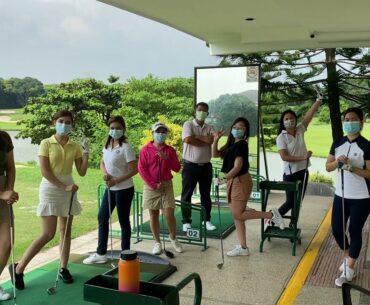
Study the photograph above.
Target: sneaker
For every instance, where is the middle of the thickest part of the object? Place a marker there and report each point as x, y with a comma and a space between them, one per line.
238, 251
277, 219
157, 249
266, 223
186, 227
4, 295
95, 258
17, 279
65, 275
345, 277
341, 267
210, 226
176, 245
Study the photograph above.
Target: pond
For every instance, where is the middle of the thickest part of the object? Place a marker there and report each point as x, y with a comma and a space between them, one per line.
24, 151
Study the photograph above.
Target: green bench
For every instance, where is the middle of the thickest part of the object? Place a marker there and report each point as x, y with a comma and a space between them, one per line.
292, 232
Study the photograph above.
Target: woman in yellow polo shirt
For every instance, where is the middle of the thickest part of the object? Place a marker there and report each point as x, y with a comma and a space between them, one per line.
56, 155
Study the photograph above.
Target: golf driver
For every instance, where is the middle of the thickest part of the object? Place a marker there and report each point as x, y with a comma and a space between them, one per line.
169, 254
11, 221
220, 265
110, 227
53, 289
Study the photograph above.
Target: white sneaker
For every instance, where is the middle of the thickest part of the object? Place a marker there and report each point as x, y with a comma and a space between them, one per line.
345, 277
4, 295
341, 267
277, 219
210, 226
95, 258
176, 245
186, 227
238, 251
157, 249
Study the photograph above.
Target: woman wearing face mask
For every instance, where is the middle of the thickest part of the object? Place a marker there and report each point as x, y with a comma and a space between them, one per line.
156, 161
292, 149
57, 155
351, 155
118, 165
239, 182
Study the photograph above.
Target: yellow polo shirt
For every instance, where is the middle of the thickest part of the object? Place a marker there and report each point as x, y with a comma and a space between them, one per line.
60, 158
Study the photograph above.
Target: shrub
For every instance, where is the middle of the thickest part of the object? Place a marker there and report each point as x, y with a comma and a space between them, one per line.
317, 177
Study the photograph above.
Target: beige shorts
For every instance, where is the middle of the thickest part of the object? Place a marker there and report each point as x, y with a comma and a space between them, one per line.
4, 208
158, 199
239, 188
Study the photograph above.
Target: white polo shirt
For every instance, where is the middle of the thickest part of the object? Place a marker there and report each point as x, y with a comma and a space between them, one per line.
116, 163
295, 146
192, 153
357, 151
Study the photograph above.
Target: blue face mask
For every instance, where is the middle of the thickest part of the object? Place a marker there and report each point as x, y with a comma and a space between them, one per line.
237, 133
116, 133
351, 128
63, 129
159, 138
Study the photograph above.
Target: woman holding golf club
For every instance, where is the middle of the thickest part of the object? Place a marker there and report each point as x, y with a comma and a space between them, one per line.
7, 197
156, 161
118, 165
292, 149
351, 155
57, 194
239, 182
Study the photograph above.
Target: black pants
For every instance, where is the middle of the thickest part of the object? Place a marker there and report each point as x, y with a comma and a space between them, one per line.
357, 211
191, 175
289, 202
122, 199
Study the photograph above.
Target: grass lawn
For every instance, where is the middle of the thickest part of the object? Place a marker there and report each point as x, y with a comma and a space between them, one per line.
14, 115
28, 225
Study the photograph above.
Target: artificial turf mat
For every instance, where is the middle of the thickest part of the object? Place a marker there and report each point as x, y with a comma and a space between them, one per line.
38, 280
222, 231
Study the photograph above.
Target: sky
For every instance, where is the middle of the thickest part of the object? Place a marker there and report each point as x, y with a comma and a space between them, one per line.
61, 40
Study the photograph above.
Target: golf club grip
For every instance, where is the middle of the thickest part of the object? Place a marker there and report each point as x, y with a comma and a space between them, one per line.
70, 203
11, 216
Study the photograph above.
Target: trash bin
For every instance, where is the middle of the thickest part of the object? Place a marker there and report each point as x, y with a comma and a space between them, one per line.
103, 290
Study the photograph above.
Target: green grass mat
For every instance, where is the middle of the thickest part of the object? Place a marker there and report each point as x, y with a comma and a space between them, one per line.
38, 280
223, 230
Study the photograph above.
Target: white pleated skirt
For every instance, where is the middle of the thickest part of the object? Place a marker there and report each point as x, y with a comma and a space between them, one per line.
55, 201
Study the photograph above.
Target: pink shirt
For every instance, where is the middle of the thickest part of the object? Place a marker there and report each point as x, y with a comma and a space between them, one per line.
149, 161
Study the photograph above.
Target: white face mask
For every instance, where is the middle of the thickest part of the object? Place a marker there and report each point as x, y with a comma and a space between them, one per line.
288, 124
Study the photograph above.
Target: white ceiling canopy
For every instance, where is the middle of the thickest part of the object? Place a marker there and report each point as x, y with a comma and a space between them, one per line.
244, 26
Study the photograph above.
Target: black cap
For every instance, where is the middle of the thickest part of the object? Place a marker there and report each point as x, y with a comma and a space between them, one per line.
128, 255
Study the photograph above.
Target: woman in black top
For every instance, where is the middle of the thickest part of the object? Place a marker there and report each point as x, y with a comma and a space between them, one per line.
239, 182
7, 196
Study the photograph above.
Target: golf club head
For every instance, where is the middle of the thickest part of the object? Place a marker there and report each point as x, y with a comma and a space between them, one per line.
51, 290
220, 265
169, 254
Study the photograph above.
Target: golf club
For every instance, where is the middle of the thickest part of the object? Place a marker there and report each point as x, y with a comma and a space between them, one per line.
11, 222
343, 223
110, 227
220, 265
53, 289
169, 254
304, 180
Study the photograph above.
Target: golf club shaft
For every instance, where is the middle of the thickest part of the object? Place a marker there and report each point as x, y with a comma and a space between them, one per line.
343, 223
110, 223
219, 219
64, 240
11, 222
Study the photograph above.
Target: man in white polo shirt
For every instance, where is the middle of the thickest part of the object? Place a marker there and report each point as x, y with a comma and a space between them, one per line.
198, 138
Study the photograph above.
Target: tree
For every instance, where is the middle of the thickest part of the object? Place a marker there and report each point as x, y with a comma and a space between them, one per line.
293, 76
23, 89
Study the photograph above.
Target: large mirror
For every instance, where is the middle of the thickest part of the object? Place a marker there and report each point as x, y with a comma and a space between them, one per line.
232, 92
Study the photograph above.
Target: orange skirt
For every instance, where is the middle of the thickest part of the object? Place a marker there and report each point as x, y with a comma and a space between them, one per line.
239, 188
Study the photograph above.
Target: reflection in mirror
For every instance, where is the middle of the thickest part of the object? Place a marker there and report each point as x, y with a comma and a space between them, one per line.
231, 92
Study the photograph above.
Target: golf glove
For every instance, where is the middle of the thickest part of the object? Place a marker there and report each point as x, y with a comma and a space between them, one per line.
85, 143
219, 181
